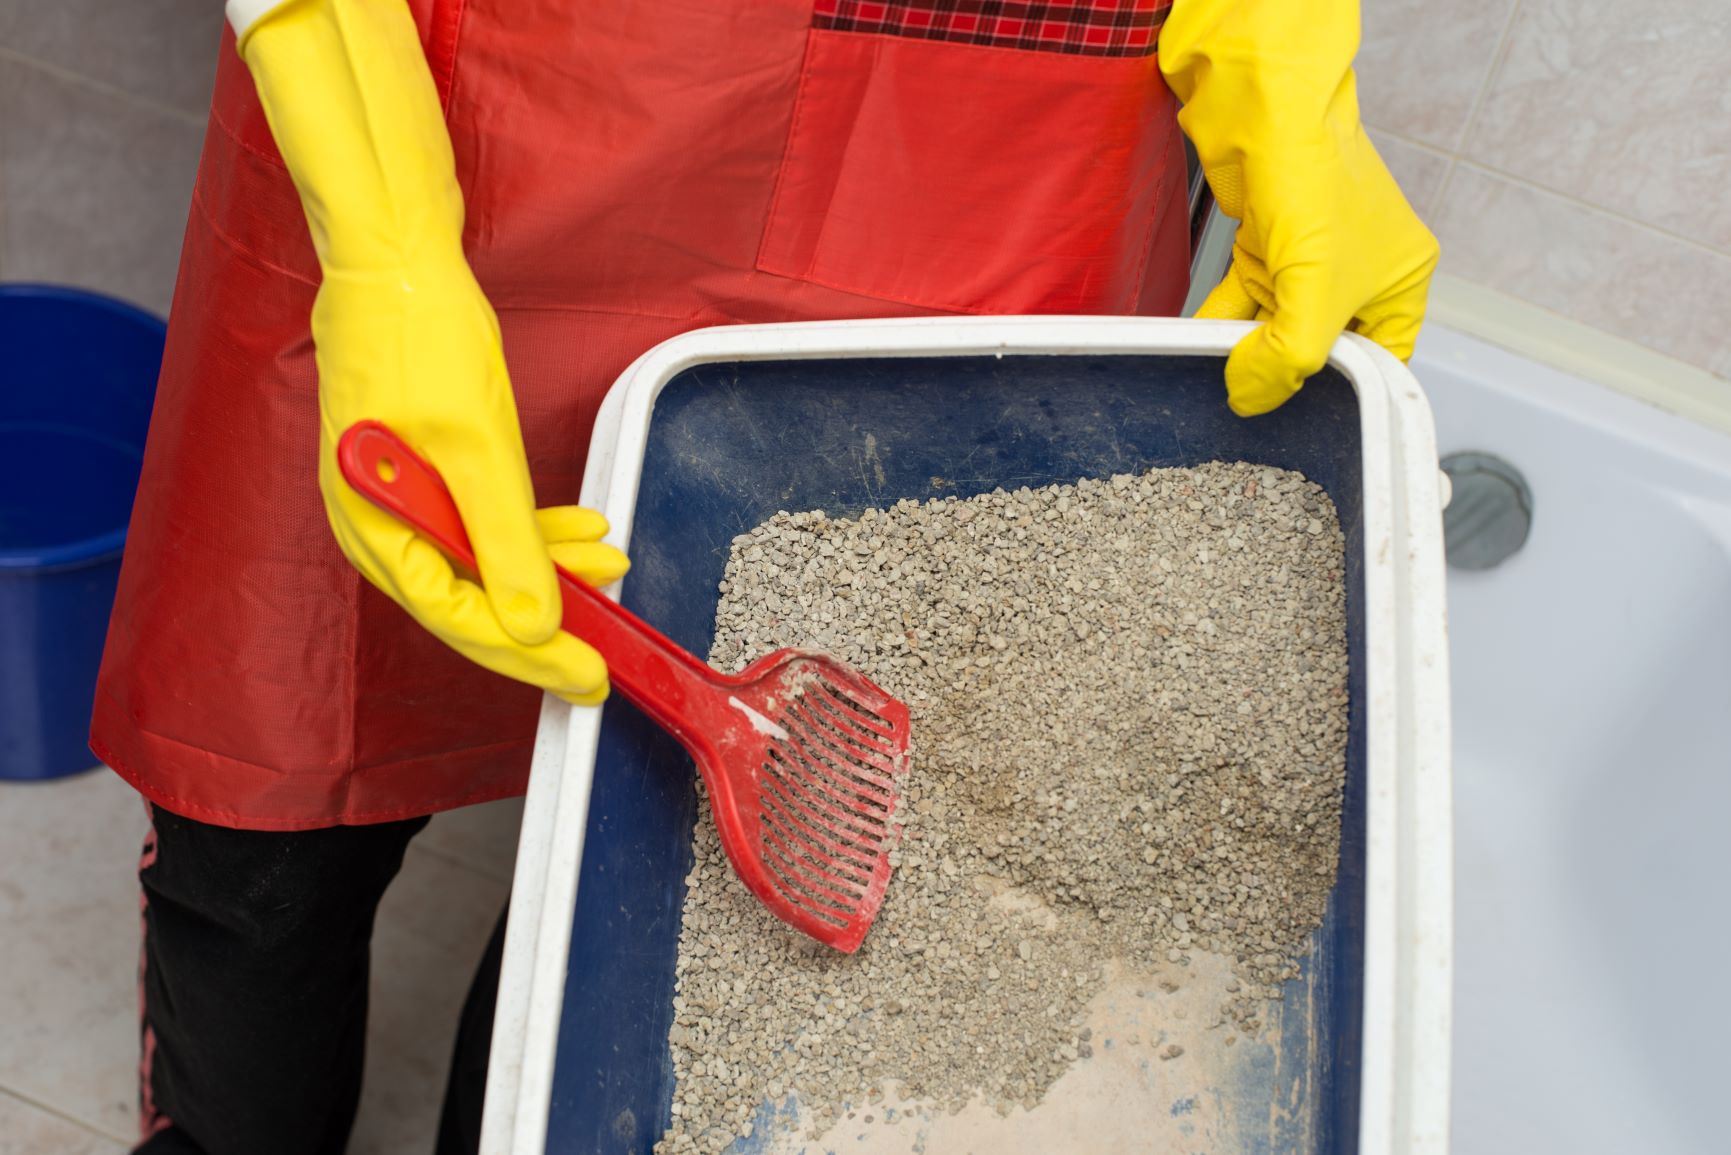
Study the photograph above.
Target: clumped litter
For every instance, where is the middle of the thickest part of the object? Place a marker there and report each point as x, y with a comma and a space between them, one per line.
1129, 717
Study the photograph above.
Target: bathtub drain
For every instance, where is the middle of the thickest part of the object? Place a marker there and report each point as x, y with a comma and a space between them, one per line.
1490, 513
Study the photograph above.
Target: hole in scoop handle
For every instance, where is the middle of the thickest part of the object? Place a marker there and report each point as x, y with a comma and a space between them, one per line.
658, 676
381, 468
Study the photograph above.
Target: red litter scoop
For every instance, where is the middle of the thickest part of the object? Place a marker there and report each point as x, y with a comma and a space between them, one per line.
802, 754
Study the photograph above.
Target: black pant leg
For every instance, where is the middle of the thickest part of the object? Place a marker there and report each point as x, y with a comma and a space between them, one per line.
255, 983
465, 1092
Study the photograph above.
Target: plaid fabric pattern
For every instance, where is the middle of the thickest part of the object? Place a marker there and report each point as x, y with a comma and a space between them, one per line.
1080, 27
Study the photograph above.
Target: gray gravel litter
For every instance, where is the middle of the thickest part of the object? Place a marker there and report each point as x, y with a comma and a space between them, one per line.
1129, 719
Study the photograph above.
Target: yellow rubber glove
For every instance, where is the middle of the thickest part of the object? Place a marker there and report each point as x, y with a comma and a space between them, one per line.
1326, 241
404, 335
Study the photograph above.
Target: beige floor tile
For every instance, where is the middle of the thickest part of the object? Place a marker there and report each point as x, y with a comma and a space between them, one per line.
481, 837
28, 1130
69, 906
69, 903
442, 904
433, 926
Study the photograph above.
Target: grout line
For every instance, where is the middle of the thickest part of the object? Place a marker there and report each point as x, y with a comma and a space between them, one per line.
1460, 156
48, 1109
1429, 208
1457, 160
1434, 209
195, 119
1410, 141
1596, 209
1499, 57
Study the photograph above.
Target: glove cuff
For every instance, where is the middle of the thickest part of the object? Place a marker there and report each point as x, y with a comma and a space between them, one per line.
1261, 77
244, 15
356, 115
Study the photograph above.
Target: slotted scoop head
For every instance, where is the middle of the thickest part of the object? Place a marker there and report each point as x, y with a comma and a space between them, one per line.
803, 756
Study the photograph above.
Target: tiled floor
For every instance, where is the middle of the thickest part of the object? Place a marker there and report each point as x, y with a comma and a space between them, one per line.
69, 957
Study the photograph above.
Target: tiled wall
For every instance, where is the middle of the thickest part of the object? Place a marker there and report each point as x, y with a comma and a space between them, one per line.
1573, 153
102, 108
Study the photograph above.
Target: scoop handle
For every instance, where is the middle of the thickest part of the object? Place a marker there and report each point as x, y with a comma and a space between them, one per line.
663, 680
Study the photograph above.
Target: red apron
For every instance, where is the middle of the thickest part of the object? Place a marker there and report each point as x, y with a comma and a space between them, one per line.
633, 170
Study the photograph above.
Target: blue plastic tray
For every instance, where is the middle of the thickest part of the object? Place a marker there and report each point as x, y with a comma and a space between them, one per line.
729, 445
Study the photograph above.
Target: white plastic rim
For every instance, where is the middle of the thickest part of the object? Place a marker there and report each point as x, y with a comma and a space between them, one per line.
1408, 949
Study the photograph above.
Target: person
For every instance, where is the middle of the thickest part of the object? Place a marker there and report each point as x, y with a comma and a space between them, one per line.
465, 219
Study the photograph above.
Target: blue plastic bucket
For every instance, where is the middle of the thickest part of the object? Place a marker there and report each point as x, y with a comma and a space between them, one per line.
80, 374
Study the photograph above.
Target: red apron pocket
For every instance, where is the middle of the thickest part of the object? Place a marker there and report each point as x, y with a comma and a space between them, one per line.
973, 179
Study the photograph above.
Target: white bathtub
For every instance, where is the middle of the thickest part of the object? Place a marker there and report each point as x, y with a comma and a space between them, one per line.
1592, 710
